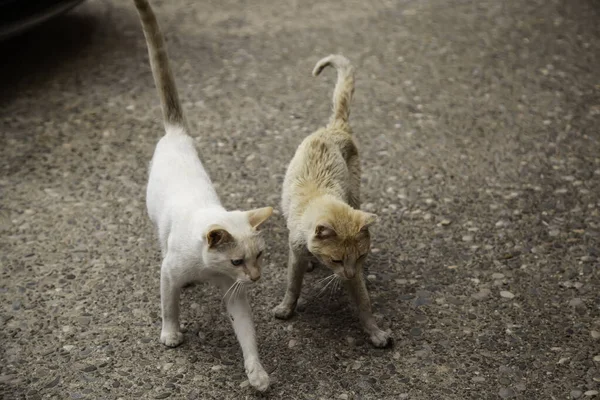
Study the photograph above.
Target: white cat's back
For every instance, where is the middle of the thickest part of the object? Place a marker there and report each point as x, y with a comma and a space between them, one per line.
178, 180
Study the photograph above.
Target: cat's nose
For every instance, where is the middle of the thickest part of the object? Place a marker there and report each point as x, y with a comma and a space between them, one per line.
350, 274
254, 276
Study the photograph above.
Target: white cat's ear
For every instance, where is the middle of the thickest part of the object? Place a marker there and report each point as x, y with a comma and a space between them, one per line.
368, 219
259, 215
324, 231
217, 236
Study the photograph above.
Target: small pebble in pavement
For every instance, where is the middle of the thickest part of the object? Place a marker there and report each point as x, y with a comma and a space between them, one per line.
482, 294
506, 393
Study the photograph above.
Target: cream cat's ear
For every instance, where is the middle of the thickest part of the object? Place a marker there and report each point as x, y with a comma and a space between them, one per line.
257, 216
324, 230
368, 219
217, 236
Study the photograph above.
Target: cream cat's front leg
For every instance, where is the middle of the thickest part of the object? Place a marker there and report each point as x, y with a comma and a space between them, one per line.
297, 266
240, 314
170, 290
360, 297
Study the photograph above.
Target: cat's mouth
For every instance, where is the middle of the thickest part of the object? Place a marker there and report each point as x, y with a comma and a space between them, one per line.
249, 280
345, 274
339, 274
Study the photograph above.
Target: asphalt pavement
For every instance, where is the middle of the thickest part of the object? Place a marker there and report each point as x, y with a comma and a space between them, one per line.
478, 127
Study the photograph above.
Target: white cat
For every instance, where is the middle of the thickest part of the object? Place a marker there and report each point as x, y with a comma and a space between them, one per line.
200, 240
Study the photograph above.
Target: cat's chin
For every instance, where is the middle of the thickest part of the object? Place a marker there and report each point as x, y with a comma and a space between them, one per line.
338, 274
334, 271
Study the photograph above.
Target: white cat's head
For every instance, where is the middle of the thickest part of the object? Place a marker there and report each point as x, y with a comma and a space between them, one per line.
234, 246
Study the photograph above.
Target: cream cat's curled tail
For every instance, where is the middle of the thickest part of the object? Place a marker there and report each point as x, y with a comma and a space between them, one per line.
161, 70
344, 87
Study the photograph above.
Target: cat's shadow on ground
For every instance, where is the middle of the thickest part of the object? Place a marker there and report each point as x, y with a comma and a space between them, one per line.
329, 310
328, 320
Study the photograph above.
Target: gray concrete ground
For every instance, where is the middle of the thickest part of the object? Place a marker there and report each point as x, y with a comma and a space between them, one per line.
478, 126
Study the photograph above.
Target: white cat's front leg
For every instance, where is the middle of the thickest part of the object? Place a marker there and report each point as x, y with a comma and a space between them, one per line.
240, 314
169, 299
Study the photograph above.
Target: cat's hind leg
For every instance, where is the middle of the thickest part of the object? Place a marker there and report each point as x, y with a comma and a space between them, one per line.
170, 290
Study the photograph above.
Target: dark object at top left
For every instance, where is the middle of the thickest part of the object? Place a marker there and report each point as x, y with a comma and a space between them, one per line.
17, 16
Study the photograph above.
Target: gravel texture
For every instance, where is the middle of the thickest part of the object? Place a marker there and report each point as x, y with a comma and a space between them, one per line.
478, 123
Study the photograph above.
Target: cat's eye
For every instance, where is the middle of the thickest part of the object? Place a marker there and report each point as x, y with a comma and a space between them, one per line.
258, 255
237, 263
337, 261
362, 257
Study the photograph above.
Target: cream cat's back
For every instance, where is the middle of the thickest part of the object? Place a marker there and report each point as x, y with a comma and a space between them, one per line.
320, 166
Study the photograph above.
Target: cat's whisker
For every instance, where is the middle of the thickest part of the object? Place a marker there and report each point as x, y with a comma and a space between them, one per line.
329, 282
232, 294
238, 291
323, 279
235, 285
232, 297
324, 282
334, 287
326, 279
229, 290
242, 290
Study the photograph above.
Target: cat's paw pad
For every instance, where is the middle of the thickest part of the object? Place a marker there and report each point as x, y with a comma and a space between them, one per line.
381, 338
283, 312
171, 339
258, 377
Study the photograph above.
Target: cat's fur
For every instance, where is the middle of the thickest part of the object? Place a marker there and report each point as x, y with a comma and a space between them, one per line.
321, 203
199, 239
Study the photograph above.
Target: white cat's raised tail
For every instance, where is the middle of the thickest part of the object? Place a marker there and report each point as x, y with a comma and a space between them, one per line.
200, 240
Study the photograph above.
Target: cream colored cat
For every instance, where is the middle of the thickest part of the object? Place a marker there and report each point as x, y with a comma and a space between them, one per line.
200, 240
321, 203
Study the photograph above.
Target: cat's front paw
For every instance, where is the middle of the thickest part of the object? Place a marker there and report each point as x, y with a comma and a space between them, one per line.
381, 338
283, 311
257, 376
171, 339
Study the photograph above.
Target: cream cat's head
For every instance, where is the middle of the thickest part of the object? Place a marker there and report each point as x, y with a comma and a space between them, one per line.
340, 239
234, 246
